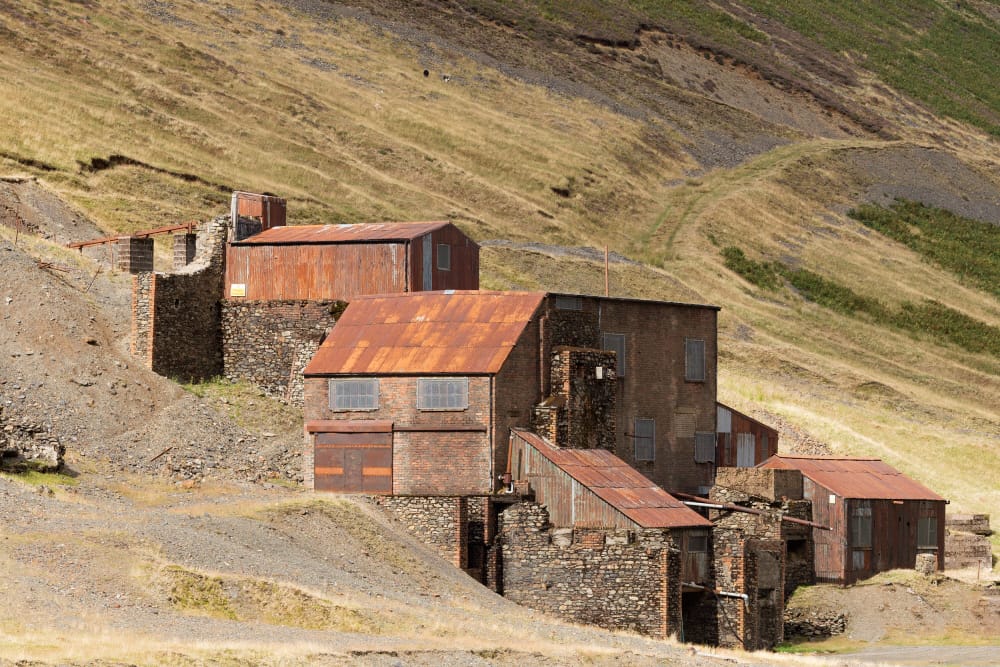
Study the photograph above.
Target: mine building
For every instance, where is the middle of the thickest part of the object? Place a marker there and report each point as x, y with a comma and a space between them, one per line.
742, 442
880, 519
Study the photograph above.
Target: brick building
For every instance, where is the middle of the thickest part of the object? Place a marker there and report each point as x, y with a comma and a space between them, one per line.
447, 374
879, 518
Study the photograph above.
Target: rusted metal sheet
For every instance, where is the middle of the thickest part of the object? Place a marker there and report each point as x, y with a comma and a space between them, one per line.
386, 232
575, 486
855, 477
465, 333
353, 462
314, 272
732, 432
426, 273
270, 210
349, 426
894, 518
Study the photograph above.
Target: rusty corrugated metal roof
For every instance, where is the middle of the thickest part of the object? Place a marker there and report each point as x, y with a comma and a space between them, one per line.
358, 233
851, 477
450, 332
618, 484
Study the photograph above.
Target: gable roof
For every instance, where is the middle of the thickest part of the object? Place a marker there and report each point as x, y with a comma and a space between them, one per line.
849, 477
618, 484
450, 332
378, 232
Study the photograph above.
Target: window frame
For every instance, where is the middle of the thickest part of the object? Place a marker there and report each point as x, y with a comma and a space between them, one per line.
423, 384
619, 357
860, 524
688, 377
446, 255
568, 302
651, 438
705, 445
333, 397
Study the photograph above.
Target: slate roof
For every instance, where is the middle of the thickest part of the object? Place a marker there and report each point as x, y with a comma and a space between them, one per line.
848, 477
427, 333
618, 484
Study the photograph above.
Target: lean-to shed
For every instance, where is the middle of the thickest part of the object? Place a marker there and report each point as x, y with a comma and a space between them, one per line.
880, 519
324, 262
741, 440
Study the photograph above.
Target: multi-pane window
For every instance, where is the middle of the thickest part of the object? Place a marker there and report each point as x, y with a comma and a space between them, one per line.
704, 447
442, 393
569, 303
444, 257
927, 526
645, 439
354, 394
694, 359
861, 524
615, 342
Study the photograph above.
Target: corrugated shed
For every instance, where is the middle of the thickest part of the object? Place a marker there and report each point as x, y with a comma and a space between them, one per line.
855, 477
620, 486
451, 332
357, 233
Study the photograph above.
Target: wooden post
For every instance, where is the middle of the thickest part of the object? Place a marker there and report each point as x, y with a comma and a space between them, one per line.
607, 280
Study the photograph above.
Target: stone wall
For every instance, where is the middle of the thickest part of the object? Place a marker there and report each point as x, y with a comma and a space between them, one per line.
580, 413
966, 541
269, 343
27, 445
176, 327
589, 576
440, 522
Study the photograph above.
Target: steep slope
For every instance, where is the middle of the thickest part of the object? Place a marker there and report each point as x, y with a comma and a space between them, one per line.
668, 131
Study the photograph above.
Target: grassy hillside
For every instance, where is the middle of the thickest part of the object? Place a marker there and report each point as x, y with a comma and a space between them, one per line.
668, 131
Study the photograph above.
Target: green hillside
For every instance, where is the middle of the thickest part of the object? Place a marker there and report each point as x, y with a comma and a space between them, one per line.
669, 132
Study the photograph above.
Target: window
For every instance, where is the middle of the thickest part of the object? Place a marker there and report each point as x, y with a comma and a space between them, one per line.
569, 303
444, 257
442, 393
704, 447
697, 543
694, 360
354, 394
616, 343
861, 524
927, 527
645, 439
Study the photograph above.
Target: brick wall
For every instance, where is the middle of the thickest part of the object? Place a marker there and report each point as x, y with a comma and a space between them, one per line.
268, 343
590, 576
175, 317
439, 522
653, 385
427, 458
135, 254
517, 391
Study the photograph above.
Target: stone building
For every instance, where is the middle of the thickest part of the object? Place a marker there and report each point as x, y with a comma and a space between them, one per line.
447, 374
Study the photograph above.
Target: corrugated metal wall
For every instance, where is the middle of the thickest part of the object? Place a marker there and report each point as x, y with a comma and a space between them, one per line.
733, 424
313, 271
570, 504
464, 272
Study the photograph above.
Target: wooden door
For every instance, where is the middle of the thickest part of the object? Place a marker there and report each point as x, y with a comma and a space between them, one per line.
353, 462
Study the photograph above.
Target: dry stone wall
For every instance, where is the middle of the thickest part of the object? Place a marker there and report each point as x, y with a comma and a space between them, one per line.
440, 522
27, 445
269, 343
589, 576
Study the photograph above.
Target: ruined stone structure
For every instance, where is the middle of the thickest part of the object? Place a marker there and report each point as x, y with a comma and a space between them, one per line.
580, 411
967, 543
616, 579
176, 323
27, 445
135, 254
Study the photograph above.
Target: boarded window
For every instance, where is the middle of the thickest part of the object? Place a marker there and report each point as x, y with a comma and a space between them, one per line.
645, 439
861, 524
569, 303
704, 447
354, 394
443, 393
927, 532
746, 450
444, 257
616, 343
694, 360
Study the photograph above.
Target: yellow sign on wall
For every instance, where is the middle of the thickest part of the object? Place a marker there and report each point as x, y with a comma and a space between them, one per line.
237, 289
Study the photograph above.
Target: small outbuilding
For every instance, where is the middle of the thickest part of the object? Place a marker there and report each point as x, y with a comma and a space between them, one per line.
328, 262
880, 519
741, 440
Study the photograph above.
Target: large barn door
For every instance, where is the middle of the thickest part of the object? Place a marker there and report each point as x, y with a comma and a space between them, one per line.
353, 462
